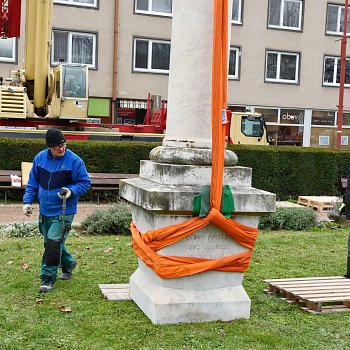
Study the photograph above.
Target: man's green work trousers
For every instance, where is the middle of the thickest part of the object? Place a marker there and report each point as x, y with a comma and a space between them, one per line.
55, 254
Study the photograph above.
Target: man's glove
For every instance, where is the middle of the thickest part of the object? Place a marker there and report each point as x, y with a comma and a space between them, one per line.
342, 209
27, 209
65, 193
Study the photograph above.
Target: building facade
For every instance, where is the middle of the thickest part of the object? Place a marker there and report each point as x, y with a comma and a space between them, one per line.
284, 59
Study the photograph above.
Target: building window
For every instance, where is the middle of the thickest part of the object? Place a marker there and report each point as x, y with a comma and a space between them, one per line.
74, 81
285, 14
270, 114
233, 67
286, 135
323, 118
331, 72
74, 47
237, 11
154, 7
282, 67
8, 50
151, 55
335, 19
85, 3
346, 119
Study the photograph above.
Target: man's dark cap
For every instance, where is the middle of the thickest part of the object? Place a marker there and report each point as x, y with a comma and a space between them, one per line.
54, 137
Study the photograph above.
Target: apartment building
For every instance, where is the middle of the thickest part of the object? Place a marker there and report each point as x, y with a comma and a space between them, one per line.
284, 60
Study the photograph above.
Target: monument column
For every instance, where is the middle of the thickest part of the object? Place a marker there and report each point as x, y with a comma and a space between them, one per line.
189, 92
188, 137
163, 193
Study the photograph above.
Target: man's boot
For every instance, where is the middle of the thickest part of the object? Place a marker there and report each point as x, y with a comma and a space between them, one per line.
46, 285
67, 273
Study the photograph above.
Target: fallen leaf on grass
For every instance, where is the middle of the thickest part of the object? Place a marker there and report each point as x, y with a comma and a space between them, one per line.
25, 266
55, 303
117, 238
39, 301
222, 332
10, 262
65, 309
108, 250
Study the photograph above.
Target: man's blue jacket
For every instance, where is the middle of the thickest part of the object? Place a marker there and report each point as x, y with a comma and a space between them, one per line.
49, 175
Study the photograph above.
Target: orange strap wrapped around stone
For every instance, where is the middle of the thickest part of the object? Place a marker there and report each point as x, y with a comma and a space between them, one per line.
146, 245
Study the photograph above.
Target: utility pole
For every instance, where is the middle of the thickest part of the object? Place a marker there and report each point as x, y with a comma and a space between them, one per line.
342, 75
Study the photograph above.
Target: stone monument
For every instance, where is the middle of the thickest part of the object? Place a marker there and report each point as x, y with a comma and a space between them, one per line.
163, 193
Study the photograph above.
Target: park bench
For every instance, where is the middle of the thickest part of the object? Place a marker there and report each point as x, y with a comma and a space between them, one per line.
99, 181
107, 182
5, 179
5, 182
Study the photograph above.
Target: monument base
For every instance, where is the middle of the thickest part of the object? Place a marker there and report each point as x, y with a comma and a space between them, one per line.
166, 305
163, 196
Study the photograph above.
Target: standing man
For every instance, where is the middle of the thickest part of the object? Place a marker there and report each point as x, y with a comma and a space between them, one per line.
58, 176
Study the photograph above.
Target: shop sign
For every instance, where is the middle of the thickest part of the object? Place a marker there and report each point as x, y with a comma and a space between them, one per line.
292, 116
322, 118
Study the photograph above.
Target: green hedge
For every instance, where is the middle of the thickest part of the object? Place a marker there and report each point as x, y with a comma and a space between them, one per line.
99, 156
293, 171
286, 171
295, 219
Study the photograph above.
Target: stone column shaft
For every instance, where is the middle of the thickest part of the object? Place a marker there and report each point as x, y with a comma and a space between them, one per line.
190, 77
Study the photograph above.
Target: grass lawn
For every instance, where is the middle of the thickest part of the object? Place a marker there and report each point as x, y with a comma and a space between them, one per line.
26, 322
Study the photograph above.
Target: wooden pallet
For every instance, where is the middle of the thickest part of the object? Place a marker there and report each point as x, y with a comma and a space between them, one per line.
115, 291
320, 203
319, 294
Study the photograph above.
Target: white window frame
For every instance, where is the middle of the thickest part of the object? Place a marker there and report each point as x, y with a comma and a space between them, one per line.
338, 31
149, 68
238, 55
335, 70
69, 49
280, 25
279, 54
75, 3
12, 59
151, 12
239, 21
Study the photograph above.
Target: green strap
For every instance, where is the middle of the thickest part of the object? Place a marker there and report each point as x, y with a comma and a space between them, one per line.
201, 202
227, 202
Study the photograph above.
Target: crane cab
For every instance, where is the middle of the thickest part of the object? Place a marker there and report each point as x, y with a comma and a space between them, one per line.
69, 92
247, 128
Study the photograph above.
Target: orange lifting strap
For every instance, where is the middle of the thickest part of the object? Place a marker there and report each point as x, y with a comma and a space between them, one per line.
146, 245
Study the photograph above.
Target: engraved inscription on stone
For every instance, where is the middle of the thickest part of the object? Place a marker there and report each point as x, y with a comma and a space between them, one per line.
208, 243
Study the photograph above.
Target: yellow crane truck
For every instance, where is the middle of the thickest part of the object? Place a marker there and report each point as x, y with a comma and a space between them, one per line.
37, 90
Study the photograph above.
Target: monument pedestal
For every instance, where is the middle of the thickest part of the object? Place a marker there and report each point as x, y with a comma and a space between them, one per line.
196, 298
162, 196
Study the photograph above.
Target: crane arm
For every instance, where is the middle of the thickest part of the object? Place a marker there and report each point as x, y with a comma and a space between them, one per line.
10, 18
